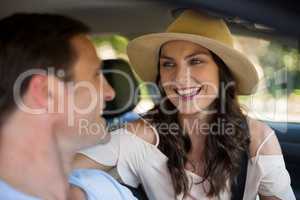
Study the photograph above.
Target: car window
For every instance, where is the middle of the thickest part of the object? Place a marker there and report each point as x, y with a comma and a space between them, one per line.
278, 63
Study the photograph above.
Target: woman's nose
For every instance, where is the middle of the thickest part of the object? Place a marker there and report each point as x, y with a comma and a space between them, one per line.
183, 74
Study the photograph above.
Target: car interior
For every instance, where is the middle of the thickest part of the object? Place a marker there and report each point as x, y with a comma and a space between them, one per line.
272, 26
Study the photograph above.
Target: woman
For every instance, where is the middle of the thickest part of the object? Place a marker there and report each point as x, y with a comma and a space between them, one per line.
191, 145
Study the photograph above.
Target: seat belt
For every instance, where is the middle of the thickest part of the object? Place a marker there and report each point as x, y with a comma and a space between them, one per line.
238, 187
138, 192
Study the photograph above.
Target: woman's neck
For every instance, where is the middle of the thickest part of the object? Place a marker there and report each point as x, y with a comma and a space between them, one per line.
197, 127
194, 124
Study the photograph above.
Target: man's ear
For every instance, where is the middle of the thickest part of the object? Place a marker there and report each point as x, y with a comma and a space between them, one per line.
38, 91
44, 91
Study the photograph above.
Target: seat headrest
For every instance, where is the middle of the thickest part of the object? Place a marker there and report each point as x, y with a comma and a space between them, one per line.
121, 77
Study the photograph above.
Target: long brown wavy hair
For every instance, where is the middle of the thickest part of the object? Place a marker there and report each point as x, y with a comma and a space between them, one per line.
222, 152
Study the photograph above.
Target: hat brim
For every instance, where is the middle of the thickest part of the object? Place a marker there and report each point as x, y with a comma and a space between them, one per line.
143, 53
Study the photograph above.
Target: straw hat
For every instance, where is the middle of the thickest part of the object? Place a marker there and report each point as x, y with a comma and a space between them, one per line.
209, 32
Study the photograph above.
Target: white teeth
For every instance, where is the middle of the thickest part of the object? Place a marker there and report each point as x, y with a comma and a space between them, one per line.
187, 92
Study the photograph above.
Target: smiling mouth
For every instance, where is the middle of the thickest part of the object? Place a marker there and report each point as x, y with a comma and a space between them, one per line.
188, 93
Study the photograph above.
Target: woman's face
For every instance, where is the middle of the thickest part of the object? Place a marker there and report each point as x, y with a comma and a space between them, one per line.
189, 76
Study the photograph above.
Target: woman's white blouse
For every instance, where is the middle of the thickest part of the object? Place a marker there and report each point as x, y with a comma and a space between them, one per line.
139, 162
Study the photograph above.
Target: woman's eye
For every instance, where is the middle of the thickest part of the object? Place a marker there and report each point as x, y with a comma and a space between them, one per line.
167, 64
195, 61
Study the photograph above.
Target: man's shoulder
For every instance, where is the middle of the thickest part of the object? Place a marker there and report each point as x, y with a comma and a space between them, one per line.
99, 184
8, 192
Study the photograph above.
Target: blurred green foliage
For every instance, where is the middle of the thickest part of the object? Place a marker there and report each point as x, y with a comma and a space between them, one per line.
281, 65
118, 42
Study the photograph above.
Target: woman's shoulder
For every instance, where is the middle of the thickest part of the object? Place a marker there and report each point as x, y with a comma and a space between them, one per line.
144, 130
263, 140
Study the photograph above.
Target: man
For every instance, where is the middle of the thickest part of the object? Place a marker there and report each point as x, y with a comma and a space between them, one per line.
52, 92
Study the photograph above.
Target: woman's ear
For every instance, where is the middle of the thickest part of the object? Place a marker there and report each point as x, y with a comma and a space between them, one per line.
160, 87
159, 83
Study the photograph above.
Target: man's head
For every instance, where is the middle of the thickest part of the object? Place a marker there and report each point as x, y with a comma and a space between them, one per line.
49, 67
